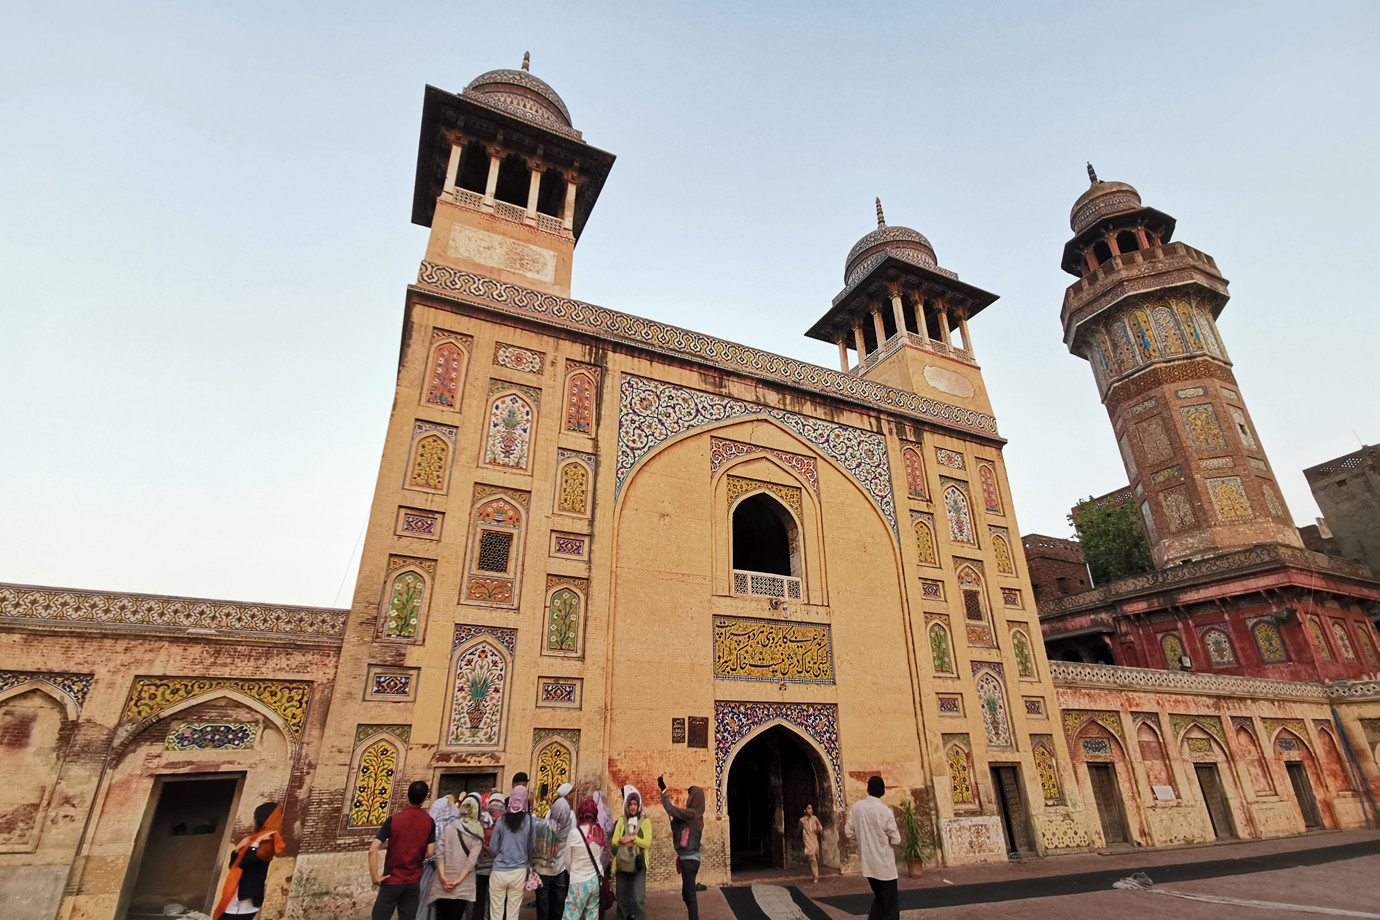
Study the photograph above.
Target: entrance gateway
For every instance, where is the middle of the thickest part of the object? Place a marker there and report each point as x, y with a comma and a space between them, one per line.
178, 857
1107, 797
1219, 812
770, 781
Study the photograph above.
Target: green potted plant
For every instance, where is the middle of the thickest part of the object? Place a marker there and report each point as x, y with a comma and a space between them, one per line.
912, 846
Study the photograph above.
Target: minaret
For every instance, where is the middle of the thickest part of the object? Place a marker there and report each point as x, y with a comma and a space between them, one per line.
1143, 315
504, 180
906, 318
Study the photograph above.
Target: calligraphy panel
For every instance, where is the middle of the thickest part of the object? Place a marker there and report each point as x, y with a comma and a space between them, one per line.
769, 650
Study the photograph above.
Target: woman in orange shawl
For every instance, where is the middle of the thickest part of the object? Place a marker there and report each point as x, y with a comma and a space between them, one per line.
243, 893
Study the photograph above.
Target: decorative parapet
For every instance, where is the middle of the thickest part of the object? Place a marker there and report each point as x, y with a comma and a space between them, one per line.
1132, 272
1354, 692
29, 607
1264, 556
696, 346
1078, 674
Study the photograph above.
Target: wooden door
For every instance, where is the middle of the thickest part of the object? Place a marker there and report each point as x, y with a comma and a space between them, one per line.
1015, 821
1219, 812
1107, 797
1303, 792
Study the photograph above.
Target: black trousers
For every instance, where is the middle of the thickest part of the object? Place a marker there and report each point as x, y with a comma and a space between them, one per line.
689, 869
450, 908
551, 896
480, 911
402, 898
884, 903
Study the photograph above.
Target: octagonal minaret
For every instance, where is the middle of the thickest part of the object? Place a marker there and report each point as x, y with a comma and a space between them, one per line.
1143, 314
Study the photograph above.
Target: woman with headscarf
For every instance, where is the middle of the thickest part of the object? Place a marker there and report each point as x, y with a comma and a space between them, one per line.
632, 839
549, 860
494, 808
810, 829
243, 893
585, 862
512, 848
687, 825
449, 889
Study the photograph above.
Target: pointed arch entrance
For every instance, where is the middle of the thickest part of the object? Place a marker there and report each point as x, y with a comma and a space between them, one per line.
771, 779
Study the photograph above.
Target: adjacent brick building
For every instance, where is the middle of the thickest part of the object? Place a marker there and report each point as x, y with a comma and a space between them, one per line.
1347, 491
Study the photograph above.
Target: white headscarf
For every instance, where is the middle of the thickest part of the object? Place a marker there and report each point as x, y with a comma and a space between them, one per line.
443, 811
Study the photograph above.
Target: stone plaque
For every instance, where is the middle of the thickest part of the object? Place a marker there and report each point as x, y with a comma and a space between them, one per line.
697, 734
677, 731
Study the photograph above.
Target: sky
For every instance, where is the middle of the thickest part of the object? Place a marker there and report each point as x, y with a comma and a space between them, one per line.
205, 236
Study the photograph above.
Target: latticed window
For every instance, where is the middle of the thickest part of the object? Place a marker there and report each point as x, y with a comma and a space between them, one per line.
972, 605
495, 548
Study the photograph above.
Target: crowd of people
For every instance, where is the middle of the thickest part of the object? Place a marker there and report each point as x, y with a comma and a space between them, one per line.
474, 857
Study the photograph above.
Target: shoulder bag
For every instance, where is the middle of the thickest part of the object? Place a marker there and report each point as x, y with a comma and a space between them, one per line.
606, 896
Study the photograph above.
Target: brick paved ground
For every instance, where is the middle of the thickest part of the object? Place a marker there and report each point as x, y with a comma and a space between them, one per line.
1342, 884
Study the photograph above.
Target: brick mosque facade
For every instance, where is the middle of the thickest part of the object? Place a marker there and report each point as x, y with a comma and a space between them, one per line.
603, 548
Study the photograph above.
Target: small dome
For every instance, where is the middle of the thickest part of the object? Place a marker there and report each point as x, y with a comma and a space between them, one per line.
901, 242
523, 94
1100, 200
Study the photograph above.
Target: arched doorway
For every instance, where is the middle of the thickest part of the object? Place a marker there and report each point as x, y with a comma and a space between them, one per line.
770, 781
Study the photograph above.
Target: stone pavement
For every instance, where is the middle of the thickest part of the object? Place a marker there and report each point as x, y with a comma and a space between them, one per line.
1335, 873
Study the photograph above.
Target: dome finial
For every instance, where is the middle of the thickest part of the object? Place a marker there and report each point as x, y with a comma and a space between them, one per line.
881, 221
1092, 174
527, 61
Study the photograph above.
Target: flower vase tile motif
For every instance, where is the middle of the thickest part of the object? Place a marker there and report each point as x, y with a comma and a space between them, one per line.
996, 721
581, 386
991, 493
480, 688
515, 358
445, 383
432, 445
1218, 645
1229, 498
565, 601
915, 473
960, 518
1204, 431
408, 579
512, 418
924, 538
574, 482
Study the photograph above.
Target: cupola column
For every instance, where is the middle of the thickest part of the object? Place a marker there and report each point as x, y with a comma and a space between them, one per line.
572, 180
533, 190
1092, 260
843, 354
491, 186
1140, 235
880, 325
457, 147
942, 310
963, 331
898, 309
917, 306
860, 343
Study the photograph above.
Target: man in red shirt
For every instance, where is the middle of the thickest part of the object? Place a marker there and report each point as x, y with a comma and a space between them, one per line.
411, 838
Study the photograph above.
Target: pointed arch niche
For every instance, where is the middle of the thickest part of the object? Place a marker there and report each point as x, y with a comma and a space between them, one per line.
480, 664
497, 529
554, 754
375, 767
581, 397
767, 537
406, 598
37, 721
447, 361
510, 426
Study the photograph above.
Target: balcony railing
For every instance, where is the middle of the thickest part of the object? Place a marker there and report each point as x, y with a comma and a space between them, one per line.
510, 212
764, 584
896, 342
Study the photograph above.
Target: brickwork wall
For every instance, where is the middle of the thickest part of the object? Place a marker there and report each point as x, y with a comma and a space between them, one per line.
1056, 566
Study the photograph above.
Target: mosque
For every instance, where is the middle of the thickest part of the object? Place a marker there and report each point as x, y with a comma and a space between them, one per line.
603, 548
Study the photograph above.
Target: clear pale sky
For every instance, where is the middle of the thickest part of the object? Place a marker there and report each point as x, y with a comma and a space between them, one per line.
205, 237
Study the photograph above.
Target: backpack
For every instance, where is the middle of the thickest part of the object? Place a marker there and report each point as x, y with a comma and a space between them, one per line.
629, 859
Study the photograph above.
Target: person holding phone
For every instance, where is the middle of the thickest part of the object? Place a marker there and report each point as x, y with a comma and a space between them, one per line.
687, 826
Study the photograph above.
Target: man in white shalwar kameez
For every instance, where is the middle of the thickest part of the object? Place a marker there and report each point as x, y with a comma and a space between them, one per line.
873, 826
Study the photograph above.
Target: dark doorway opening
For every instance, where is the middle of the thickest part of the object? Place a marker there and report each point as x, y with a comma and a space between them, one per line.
179, 855
1015, 819
461, 784
1219, 812
1303, 792
773, 777
1107, 797
763, 536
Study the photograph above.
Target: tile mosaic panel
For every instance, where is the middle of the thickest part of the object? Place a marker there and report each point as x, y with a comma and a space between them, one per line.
960, 770
931, 590
1343, 640
1141, 408
956, 510
364, 732
1025, 657
449, 350
941, 655
1258, 464
414, 522
1167, 330
770, 650
1001, 548
1045, 768
651, 413
735, 721
507, 638
149, 696
722, 450
1210, 724
484, 589
1199, 745
924, 538
559, 692
1218, 645
1124, 348
509, 298
574, 481
1178, 510
980, 634
1164, 475
509, 439
1149, 520
1229, 498
950, 458
1140, 332
1108, 719
581, 384
1243, 430
73, 686
991, 698
1217, 463
479, 693
32, 607
1173, 648
1010, 597
1127, 456
388, 684
1192, 337
1096, 745
991, 494
571, 545
564, 608
1230, 394
1268, 642
431, 447
950, 704
211, 736
915, 472
519, 359
373, 788
1272, 501
789, 495
1154, 441
1035, 706
1204, 431
1191, 392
